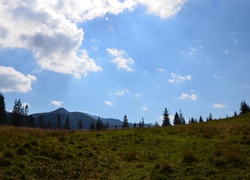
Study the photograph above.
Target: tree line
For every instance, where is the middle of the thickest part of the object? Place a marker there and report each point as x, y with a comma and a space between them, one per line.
19, 117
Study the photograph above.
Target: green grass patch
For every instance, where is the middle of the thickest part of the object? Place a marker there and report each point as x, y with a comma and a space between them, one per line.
213, 150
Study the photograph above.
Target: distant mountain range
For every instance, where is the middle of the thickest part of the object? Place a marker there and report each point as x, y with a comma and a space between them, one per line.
74, 117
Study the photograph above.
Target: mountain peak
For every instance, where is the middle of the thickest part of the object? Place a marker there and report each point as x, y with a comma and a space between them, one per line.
60, 110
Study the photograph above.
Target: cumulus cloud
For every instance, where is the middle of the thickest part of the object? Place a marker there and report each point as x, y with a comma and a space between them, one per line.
186, 96
145, 108
120, 60
219, 106
57, 103
176, 78
49, 29
163, 8
14, 81
109, 103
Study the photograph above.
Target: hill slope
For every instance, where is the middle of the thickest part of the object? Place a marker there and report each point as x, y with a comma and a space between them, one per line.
214, 150
74, 117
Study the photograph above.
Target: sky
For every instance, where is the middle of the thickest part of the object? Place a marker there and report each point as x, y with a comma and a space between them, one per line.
112, 58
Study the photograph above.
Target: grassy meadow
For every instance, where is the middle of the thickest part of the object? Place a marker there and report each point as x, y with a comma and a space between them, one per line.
211, 150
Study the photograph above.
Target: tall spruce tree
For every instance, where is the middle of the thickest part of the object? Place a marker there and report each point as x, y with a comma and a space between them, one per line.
3, 119
201, 120
176, 119
125, 122
17, 116
79, 124
166, 119
59, 122
92, 126
244, 107
182, 119
67, 123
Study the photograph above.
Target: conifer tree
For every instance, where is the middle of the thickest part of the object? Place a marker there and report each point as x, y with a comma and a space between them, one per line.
32, 121
125, 122
59, 122
3, 119
67, 123
107, 125
235, 114
40, 121
141, 123
201, 120
79, 124
244, 107
92, 126
176, 119
17, 113
134, 125
182, 119
166, 120
99, 124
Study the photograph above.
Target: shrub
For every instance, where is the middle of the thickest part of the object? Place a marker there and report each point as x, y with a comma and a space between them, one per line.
189, 157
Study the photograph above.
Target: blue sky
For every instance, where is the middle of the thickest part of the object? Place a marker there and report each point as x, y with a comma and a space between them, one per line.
135, 57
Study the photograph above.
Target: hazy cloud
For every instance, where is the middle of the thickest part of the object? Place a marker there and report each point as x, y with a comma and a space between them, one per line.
57, 103
186, 96
109, 103
120, 60
176, 78
121, 92
219, 106
14, 81
145, 108
161, 70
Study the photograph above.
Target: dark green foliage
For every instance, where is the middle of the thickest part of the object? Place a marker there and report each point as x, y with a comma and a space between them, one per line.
166, 120
201, 119
18, 113
125, 122
40, 122
177, 120
3, 120
141, 123
244, 107
67, 123
79, 124
92, 126
59, 122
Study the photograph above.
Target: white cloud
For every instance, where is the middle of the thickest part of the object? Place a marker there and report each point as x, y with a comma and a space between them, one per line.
219, 106
186, 96
161, 70
218, 77
49, 29
109, 103
121, 92
138, 95
14, 81
176, 78
57, 103
145, 108
120, 60
163, 8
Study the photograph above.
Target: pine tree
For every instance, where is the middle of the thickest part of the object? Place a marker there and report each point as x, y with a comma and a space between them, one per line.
32, 121
134, 125
92, 126
141, 123
125, 122
3, 119
176, 119
201, 120
210, 118
67, 123
59, 122
107, 125
244, 107
40, 122
166, 120
156, 124
99, 124
235, 114
17, 113
79, 124
182, 119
